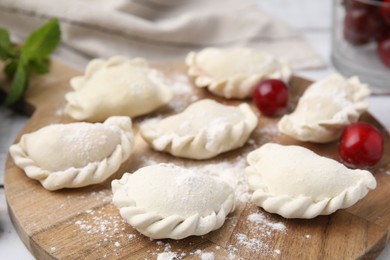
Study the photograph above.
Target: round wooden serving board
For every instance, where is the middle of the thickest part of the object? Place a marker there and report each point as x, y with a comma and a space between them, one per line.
83, 224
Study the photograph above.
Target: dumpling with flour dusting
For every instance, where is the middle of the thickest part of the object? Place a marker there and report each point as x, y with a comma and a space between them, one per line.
203, 130
166, 201
326, 107
116, 87
295, 182
74, 155
233, 73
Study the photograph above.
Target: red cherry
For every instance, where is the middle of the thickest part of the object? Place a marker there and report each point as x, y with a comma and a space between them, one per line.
381, 31
270, 96
385, 11
378, 26
383, 50
359, 26
361, 145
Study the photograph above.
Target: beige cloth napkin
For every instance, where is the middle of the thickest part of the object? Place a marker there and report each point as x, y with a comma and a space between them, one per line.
159, 30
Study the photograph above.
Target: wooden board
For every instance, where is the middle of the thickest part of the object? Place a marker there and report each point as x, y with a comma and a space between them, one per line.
83, 224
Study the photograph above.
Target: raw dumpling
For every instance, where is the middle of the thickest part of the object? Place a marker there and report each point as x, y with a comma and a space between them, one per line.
325, 108
233, 73
294, 182
117, 87
165, 201
203, 130
74, 155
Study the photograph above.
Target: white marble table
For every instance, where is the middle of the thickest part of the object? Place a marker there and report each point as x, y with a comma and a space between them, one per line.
311, 17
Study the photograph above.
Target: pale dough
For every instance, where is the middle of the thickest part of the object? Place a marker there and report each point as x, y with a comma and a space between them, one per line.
74, 155
203, 130
166, 201
233, 73
326, 107
294, 182
117, 87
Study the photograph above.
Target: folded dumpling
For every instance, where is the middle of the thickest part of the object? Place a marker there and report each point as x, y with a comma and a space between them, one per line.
203, 130
326, 107
233, 73
74, 155
166, 201
116, 87
294, 182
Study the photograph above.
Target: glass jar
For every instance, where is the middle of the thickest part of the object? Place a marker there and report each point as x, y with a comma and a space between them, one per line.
361, 40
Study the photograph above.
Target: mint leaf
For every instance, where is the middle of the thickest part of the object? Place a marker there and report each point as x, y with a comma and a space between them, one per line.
18, 86
5, 44
39, 66
32, 57
10, 67
42, 42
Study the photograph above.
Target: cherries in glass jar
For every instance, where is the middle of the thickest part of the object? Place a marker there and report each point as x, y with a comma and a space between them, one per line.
383, 50
368, 21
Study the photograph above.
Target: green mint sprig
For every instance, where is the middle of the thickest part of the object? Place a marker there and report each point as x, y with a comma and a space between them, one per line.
31, 57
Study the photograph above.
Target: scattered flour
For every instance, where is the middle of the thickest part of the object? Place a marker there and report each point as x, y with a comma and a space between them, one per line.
267, 133
59, 112
203, 255
253, 244
103, 195
384, 170
167, 256
260, 219
182, 89
181, 85
107, 227
207, 256
259, 242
